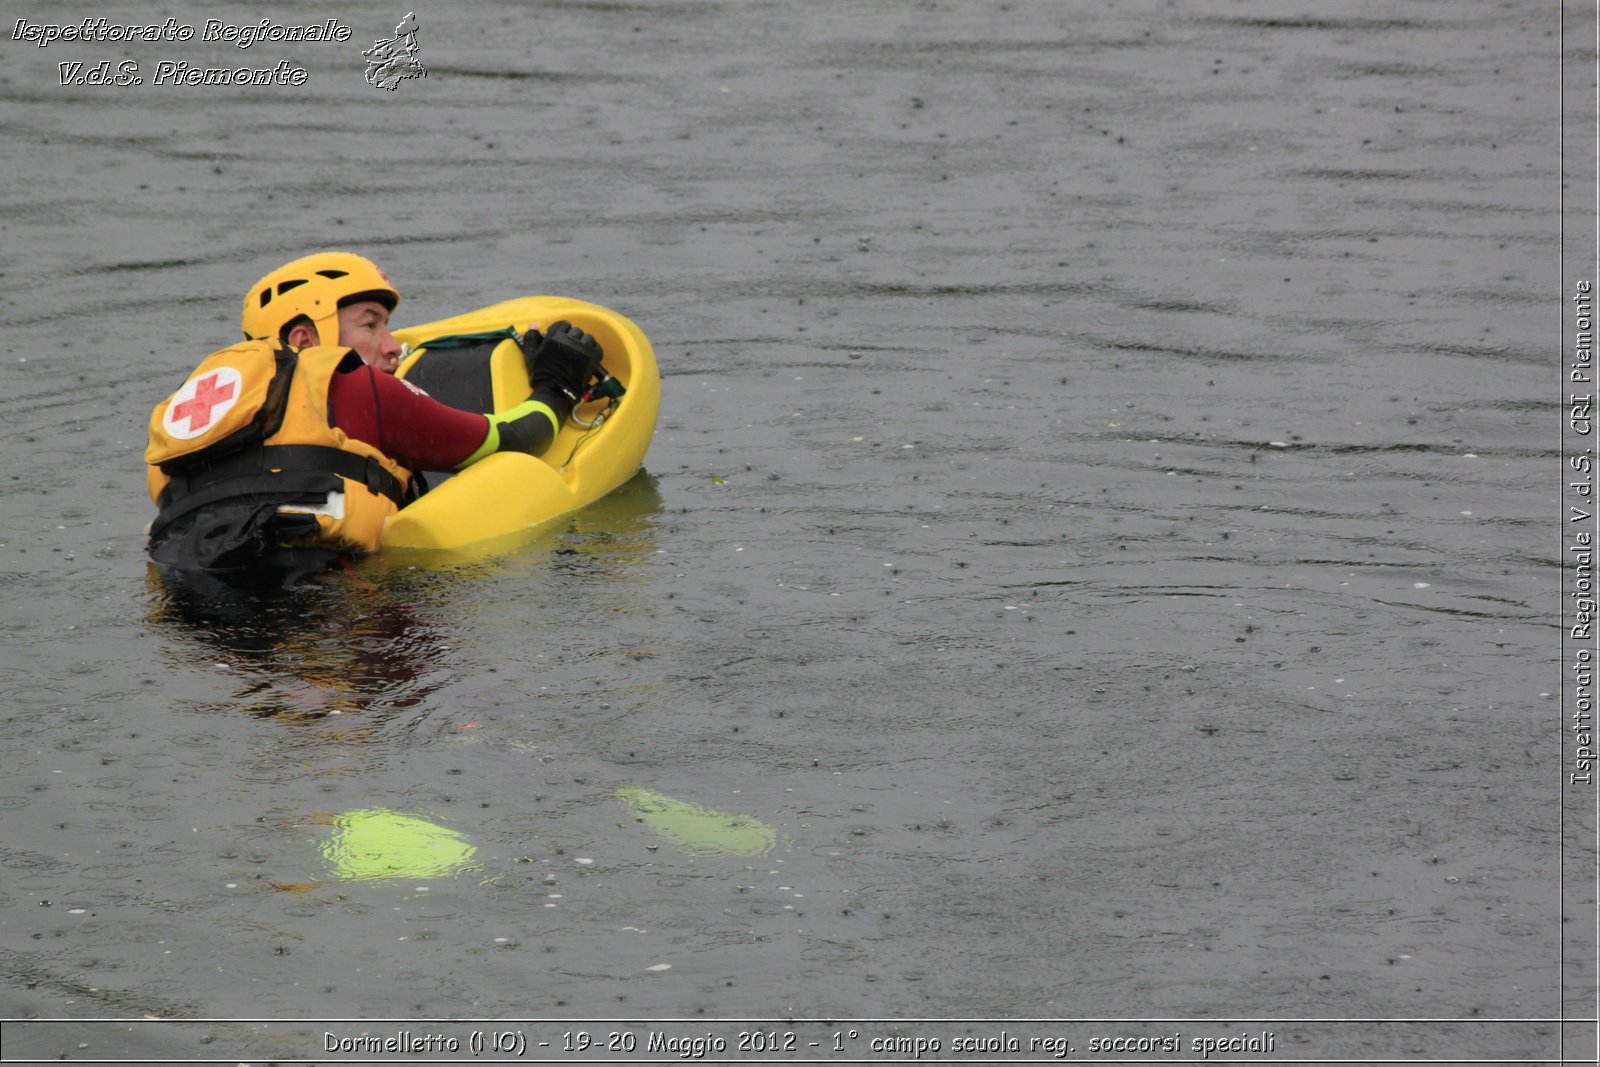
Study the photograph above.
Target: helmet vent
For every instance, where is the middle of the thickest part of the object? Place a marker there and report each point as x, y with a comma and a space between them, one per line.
334, 273
284, 287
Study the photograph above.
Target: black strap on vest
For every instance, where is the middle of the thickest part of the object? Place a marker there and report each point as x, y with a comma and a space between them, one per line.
287, 474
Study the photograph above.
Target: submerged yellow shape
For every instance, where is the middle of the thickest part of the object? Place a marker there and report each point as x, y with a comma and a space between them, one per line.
698, 830
379, 843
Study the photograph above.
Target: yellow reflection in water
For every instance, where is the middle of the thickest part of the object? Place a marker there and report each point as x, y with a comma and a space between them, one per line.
380, 843
700, 831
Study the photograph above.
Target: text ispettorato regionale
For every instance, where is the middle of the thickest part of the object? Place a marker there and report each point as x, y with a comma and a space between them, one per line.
102, 30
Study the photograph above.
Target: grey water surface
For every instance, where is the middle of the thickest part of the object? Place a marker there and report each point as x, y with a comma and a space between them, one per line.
1103, 520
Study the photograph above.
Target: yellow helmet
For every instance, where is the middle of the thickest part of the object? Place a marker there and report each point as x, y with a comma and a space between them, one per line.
315, 286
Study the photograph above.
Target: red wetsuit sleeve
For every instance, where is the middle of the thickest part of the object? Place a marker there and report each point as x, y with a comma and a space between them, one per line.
403, 422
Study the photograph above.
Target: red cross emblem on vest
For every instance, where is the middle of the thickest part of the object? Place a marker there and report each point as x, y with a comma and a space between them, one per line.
201, 402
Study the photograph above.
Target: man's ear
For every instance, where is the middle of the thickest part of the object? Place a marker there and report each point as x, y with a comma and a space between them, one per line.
301, 335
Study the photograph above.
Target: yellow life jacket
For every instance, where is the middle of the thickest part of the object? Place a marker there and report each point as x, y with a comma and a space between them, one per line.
249, 433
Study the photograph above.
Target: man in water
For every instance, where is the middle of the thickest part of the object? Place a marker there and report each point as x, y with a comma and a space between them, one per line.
294, 448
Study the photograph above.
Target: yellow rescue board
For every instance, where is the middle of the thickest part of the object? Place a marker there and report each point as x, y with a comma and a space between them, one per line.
509, 492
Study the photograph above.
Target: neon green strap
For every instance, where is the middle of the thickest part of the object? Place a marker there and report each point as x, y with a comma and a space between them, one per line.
508, 430
491, 445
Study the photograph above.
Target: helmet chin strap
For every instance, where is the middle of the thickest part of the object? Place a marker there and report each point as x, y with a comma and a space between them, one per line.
327, 329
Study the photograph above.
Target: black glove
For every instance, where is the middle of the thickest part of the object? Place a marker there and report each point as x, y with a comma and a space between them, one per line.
563, 359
